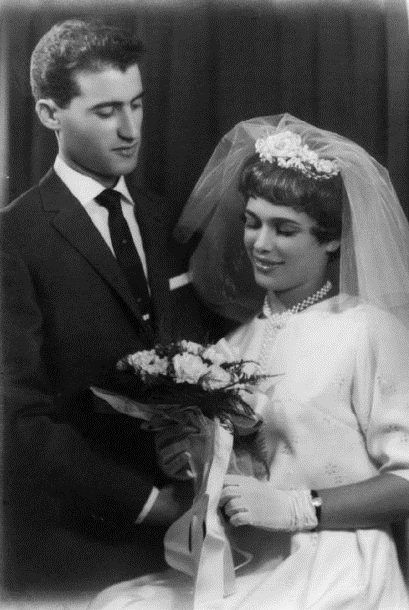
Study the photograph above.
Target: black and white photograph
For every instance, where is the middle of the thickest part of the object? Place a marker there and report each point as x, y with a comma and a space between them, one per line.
204, 304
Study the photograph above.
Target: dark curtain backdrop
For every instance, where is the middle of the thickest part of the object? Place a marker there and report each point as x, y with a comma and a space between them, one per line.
211, 63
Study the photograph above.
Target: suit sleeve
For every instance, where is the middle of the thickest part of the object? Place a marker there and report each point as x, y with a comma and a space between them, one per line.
55, 452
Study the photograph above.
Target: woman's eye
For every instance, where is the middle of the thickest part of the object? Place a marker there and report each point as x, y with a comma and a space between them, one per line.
286, 232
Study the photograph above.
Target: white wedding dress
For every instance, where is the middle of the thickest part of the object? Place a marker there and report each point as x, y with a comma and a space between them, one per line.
337, 413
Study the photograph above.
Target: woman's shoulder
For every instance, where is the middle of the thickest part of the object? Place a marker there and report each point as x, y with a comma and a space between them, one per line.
374, 320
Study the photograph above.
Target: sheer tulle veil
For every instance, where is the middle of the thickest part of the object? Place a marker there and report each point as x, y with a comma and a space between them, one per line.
373, 263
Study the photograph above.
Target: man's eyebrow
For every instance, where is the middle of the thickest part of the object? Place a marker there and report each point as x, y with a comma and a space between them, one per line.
116, 103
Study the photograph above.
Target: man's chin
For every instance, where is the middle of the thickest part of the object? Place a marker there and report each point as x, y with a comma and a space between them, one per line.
125, 166
118, 169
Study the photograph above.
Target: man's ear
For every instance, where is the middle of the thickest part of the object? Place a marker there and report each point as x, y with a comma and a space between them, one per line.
48, 113
332, 246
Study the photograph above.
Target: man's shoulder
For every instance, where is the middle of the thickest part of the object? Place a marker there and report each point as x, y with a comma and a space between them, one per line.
18, 218
33, 194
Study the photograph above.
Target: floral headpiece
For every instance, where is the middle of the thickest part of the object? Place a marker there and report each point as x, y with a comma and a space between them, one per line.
287, 149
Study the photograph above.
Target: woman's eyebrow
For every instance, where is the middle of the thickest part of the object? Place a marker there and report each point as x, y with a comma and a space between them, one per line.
282, 221
275, 220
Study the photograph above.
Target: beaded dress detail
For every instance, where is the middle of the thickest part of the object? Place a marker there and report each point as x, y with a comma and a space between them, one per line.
277, 320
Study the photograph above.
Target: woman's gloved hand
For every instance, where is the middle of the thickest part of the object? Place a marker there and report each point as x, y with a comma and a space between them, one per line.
248, 501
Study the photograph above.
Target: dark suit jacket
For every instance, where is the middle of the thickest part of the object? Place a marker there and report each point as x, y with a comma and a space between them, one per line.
67, 313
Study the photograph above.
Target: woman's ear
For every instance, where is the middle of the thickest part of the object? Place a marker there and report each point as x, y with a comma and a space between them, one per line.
48, 113
332, 246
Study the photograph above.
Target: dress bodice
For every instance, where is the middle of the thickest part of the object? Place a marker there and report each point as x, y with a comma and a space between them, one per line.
337, 377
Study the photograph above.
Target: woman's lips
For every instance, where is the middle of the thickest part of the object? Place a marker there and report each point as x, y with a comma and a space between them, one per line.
265, 266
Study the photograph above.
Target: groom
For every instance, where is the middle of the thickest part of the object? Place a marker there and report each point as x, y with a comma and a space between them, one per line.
89, 274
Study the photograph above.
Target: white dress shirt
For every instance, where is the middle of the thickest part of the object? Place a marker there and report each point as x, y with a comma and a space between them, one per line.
85, 189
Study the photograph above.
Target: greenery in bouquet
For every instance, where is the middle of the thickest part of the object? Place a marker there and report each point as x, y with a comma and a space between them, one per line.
188, 384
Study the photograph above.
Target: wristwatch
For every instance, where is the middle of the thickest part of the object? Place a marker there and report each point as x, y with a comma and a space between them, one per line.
317, 504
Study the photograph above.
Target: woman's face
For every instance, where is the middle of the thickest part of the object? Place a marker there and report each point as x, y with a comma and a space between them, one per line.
287, 259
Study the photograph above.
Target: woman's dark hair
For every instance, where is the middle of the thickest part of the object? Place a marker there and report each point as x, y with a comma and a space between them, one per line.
321, 199
75, 45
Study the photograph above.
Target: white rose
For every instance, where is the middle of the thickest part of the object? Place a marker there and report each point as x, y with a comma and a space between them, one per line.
148, 362
309, 155
142, 359
213, 355
216, 378
327, 166
191, 347
188, 368
284, 144
250, 368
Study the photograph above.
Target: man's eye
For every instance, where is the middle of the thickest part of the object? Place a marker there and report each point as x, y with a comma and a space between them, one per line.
286, 232
105, 113
248, 221
137, 105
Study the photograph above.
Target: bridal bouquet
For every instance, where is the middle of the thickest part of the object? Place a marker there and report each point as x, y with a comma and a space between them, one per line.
182, 388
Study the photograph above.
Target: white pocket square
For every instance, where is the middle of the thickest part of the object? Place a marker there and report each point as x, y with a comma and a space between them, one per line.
180, 280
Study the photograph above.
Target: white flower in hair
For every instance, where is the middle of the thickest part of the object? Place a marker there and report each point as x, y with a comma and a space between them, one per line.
287, 149
283, 144
326, 166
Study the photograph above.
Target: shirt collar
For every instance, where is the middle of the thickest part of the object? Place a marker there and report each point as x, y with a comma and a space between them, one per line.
85, 188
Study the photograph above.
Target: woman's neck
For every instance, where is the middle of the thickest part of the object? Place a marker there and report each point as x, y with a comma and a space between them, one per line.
289, 299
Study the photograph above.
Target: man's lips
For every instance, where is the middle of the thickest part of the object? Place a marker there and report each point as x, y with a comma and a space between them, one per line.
126, 151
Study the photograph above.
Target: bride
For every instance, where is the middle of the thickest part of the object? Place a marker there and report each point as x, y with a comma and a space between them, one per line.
304, 241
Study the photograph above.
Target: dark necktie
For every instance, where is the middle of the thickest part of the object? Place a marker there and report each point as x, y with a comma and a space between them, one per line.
125, 251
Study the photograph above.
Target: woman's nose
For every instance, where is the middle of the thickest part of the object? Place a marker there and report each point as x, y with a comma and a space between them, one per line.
265, 240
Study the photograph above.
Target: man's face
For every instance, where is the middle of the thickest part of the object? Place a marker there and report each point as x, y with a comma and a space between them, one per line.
100, 131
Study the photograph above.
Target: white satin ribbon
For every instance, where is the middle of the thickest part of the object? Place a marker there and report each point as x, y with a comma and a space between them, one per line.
124, 405
208, 559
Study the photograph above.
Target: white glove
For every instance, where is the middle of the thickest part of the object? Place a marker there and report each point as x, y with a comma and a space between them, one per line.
248, 501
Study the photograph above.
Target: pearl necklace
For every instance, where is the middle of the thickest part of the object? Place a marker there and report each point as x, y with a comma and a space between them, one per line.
277, 320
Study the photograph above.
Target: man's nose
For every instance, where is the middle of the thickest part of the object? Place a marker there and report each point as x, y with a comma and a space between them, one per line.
130, 125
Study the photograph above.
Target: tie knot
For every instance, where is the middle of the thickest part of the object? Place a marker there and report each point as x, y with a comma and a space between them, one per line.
110, 199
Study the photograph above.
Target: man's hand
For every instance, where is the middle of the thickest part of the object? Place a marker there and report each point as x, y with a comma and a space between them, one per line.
173, 455
171, 503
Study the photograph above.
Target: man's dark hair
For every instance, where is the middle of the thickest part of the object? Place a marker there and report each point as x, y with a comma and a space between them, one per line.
73, 46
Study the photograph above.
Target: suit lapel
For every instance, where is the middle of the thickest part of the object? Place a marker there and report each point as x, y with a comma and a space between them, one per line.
74, 224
